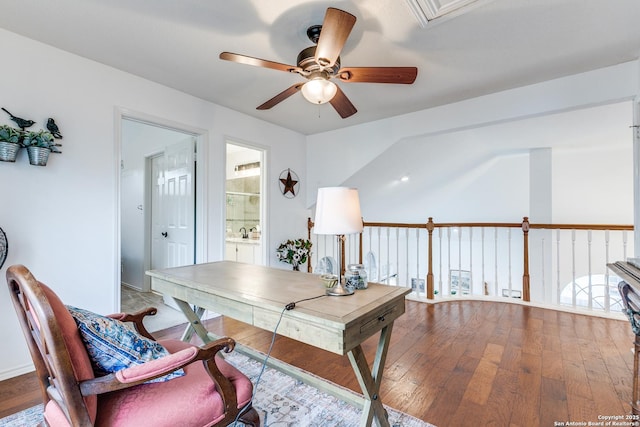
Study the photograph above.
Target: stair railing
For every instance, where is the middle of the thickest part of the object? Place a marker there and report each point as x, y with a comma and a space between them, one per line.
443, 260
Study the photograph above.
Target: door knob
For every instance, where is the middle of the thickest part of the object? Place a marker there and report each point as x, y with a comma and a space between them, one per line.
164, 234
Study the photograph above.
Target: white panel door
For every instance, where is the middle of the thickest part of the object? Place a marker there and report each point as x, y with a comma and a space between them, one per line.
173, 207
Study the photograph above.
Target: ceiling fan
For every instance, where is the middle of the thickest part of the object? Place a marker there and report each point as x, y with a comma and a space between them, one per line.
321, 63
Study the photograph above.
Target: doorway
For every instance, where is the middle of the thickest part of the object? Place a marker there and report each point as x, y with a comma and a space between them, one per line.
245, 200
160, 199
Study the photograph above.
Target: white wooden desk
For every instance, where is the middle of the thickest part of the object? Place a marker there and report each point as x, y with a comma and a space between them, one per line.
257, 295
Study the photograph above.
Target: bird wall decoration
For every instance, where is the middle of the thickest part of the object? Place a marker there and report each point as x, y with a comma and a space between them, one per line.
22, 123
53, 128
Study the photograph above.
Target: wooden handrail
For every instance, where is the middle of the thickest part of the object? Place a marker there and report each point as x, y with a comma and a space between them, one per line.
392, 225
612, 227
525, 225
478, 224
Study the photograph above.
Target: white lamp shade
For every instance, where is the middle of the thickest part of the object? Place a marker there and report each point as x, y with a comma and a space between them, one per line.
338, 211
319, 90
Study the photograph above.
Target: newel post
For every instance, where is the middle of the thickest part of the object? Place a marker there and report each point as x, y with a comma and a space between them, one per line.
309, 227
526, 294
360, 244
430, 291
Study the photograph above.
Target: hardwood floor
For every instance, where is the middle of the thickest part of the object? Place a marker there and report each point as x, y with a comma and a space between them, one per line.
464, 363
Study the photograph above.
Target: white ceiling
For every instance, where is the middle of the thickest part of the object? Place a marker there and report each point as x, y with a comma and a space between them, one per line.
495, 45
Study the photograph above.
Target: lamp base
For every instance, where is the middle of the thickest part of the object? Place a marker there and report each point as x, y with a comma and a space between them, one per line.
339, 291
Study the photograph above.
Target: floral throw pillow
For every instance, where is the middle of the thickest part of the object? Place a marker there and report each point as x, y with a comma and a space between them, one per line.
113, 346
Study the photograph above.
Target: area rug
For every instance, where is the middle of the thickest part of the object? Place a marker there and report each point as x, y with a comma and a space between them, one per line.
281, 401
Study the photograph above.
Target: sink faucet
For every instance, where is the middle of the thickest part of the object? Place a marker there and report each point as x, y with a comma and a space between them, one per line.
244, 233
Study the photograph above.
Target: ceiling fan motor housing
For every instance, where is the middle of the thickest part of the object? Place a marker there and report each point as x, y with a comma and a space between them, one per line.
307, 61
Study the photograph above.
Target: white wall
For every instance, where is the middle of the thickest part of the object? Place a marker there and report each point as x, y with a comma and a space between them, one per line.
61, 219
593, 185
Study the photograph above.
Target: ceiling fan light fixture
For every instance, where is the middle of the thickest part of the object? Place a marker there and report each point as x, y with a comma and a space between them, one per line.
319, 90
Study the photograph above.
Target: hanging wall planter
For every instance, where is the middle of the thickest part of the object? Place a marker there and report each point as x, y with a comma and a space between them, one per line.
39, 145
38, 156
8, 151
9, 143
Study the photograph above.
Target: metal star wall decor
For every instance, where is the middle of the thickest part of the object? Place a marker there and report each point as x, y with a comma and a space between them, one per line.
289, 183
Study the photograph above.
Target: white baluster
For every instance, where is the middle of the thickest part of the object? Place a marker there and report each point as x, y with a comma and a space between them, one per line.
558, 283
398, 257
482, 257
542, 272
417, 261
449, 256
440, 260
509, 257
379, 257
459, 261
495, 261
589, 241
607, 299
573, 267
370, 272
388, 263
471, 260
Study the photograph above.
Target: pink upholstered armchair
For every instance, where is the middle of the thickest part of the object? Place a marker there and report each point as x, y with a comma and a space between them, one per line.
191, 386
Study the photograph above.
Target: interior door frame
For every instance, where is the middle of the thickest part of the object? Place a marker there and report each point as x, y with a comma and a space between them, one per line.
148, 197
202, 171
264, 191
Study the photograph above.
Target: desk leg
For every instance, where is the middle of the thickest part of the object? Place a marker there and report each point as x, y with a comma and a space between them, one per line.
370, 381
188, 331
194, 322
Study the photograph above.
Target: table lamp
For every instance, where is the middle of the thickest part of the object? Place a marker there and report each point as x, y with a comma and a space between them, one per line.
338, 213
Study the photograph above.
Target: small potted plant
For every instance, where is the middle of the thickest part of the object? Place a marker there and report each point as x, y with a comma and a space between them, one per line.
9, 143
39, 144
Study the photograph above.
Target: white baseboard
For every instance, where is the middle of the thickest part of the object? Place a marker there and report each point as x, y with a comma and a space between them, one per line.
129, 285
24, 369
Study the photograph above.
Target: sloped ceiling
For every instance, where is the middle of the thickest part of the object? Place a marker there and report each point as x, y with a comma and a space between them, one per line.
495, 45
441, 168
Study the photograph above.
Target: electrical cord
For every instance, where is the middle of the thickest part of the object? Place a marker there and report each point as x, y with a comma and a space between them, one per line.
292, 305
288, 307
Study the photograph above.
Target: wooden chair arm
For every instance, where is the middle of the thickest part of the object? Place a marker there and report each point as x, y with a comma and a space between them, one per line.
136, 319
224, 385
139, 374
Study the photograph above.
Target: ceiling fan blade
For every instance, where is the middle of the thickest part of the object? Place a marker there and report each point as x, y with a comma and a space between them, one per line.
280, 97
336, 28
398, 75
257, 62
342, 105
